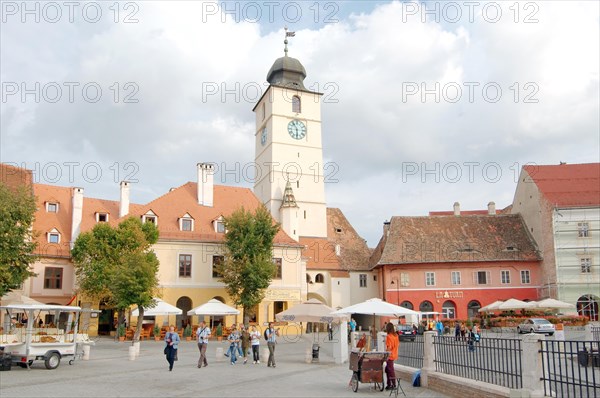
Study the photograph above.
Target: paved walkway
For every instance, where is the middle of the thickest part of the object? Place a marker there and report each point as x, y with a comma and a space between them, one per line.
109, 373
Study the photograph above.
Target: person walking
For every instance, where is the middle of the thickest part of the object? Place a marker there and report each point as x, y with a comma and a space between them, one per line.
463, 331
391, 345
245, 339
202, 335
471, 340
439, 326
255, 341
271, 335
234, 340
172, 340
330, 331
456, 331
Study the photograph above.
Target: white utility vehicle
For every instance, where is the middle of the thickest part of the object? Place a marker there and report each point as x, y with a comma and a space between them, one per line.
50, 343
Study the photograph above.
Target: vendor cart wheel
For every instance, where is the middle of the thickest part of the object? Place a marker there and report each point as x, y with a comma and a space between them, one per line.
354, 382
52, 360
379, 386
71, 361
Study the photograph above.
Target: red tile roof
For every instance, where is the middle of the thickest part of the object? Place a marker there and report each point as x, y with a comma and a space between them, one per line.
13, 176
173, 205
568, 185
455, 239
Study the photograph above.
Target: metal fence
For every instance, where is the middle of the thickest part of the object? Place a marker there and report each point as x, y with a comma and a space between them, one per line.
571, 368
495, 361
595, 332
411, 352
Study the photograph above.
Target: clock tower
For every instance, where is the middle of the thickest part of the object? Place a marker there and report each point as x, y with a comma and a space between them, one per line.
289, 151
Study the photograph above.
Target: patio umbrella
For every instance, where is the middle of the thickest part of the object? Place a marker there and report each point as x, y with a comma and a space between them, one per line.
161, 308
514, 304
310, 311
17, 298
551, 303
491, 307
213, 307
376, 306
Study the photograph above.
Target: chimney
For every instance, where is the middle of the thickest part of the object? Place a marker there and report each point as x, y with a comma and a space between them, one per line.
386, 228
491, 208
77, 215
456, 209
124, 201
205, 184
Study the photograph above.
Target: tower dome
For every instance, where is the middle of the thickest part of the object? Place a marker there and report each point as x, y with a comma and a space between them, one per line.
288, 72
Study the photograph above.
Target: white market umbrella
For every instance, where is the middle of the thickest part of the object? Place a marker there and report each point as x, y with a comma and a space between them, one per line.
551, 303
161, 308
310, 311
491, 307
18, 299
376, 306
213, 307
514, 304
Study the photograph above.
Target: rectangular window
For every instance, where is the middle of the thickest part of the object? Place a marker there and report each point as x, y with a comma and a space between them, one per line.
52, 207
586, 265
53, 238
278, 268
505, 274
185, 265
186, 224
374, 278
404, 279
481, 277
53, 278
102, 217
456, 277
362, 280
525, 277
583, 229
220, 227
429, 278
151, 219
217, 261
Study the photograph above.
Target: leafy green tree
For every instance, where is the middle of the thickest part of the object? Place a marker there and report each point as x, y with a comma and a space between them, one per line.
117, 264
248, 267
17, 209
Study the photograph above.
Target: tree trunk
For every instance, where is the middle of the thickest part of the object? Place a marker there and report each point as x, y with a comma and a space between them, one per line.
246, 315
138, 329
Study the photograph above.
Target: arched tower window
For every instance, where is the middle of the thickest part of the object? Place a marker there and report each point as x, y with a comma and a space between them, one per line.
296, 106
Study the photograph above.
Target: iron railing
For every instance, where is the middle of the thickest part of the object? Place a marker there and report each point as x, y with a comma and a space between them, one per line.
571, 368
595, 332
491, 360
410, 353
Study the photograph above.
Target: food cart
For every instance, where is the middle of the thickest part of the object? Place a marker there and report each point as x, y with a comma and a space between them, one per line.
50, 343
367, 367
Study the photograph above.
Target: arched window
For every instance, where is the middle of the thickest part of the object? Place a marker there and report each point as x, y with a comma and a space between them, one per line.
184, 303
587, 305
319, 278
296, 107
473, 308
426, 306
308, 278
448, 310
407, 304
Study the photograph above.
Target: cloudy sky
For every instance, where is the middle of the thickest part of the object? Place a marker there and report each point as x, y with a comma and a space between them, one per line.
424, 104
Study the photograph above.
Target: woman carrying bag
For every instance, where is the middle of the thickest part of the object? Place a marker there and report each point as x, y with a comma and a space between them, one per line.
172, 340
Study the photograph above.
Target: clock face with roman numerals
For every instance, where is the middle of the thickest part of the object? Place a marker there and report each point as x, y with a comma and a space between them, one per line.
297, 129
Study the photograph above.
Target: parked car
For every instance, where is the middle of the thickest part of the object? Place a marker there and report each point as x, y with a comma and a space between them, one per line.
406, 332
536, 325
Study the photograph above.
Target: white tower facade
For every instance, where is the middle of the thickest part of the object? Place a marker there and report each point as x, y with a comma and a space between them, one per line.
289, 148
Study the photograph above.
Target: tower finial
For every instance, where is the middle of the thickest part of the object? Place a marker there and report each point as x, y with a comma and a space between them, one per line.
287, 34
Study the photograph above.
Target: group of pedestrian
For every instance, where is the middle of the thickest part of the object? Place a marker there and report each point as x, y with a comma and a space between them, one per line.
240, 343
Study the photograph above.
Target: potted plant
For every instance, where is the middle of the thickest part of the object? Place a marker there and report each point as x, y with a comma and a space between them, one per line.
156, 332
187, 333
121, 332
219, 332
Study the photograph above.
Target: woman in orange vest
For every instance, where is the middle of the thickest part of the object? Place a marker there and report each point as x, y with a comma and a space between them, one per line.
391, 343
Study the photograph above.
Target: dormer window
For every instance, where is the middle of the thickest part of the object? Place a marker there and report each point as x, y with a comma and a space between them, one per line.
52, 207
186, 223
296, 105
219, 225
150, 217
338, 250
101, 217
53, 236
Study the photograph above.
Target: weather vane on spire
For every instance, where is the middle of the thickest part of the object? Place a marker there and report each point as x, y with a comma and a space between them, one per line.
287, 34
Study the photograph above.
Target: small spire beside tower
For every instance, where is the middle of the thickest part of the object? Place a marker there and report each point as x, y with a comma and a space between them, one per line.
289, 200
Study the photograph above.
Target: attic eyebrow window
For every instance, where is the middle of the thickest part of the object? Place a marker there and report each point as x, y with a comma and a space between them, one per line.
512, 248
338, 230
52, 207
101, 217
